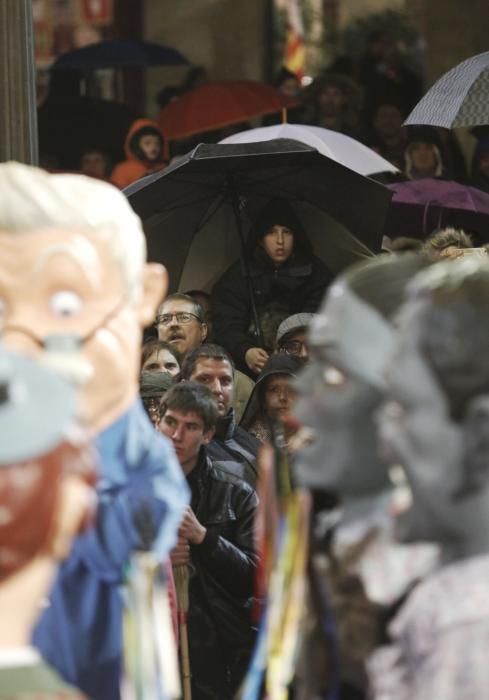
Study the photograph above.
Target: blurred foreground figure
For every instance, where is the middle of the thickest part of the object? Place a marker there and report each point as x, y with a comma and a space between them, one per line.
363, 570
76, 292
46, 499
436, 427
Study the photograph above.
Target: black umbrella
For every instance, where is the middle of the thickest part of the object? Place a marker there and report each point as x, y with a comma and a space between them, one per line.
193, 210
120, 53
459, 98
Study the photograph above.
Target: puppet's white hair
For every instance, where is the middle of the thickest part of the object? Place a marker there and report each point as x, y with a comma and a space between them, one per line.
32, 199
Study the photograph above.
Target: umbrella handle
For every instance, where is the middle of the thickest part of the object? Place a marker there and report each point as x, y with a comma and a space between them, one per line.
425, 216
251, 291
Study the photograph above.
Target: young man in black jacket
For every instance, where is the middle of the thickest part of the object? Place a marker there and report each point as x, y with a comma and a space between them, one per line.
236, 449
216, 540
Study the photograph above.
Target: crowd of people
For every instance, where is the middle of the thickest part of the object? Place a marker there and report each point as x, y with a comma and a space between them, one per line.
370, 385
368, 100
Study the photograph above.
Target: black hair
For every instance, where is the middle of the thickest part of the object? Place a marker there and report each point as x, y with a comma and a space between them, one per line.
205, 351
278, 212
197, 309
155, 345
191, 397
148, 130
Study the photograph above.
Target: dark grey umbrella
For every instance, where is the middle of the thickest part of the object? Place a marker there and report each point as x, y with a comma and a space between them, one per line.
120, 53
459, 98
195, 212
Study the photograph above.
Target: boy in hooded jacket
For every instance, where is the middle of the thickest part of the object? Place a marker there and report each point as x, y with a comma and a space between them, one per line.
145, 153
286, 278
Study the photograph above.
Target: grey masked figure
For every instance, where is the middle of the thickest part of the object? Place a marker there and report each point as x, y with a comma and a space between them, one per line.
362, 568
436, 423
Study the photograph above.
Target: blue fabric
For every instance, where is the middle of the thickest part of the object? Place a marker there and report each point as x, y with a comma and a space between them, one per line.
141, 490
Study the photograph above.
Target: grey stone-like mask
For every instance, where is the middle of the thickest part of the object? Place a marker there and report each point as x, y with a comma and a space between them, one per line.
446, 458
339, 393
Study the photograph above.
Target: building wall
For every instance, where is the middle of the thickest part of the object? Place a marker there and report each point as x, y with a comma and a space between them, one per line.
350, 9
227, 37
454, 30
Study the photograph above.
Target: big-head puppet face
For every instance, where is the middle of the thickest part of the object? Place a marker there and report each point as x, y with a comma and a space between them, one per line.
74, 286
342, 386
47, 470
436, 420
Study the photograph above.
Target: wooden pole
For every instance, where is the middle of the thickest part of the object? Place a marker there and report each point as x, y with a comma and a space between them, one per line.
181, 575
18, 120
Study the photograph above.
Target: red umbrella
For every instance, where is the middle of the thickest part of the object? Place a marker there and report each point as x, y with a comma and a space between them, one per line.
217, 105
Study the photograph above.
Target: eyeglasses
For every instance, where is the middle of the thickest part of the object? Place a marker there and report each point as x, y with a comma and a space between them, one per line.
182, 317
293, 347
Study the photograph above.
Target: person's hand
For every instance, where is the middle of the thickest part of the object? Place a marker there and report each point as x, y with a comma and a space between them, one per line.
190, 528
255, 358
180, 554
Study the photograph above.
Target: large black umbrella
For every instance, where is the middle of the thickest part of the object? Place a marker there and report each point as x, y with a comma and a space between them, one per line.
120, 53
196, 211
459, 98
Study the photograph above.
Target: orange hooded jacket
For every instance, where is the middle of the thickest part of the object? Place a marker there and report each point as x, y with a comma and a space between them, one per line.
134, 167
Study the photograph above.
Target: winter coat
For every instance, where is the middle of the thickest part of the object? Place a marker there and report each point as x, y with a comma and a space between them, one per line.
135, 166
235, 449
221, 634
297, 285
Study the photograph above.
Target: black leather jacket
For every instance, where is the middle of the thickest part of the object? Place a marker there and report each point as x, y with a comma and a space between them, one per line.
221, 634
235, 449
296, 286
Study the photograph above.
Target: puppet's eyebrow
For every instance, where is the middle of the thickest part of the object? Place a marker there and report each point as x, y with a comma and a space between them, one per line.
82, 253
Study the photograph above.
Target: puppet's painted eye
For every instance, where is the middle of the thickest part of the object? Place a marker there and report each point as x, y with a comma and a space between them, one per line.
333, 376
65, 304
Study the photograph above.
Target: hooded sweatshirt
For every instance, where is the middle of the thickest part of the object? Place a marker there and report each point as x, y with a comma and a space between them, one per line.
254, 418
136, 166
295, 286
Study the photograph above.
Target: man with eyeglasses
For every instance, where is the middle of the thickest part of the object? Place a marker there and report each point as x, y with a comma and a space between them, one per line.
292, 335
180, 321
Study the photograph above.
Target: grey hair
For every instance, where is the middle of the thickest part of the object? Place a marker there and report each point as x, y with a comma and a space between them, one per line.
32, 199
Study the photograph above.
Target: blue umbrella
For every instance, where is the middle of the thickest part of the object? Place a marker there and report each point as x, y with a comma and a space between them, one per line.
459, 98
120, 53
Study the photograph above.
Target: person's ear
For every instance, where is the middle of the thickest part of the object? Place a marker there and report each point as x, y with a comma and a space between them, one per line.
475, 472
155, 286
208, 435
204, 331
